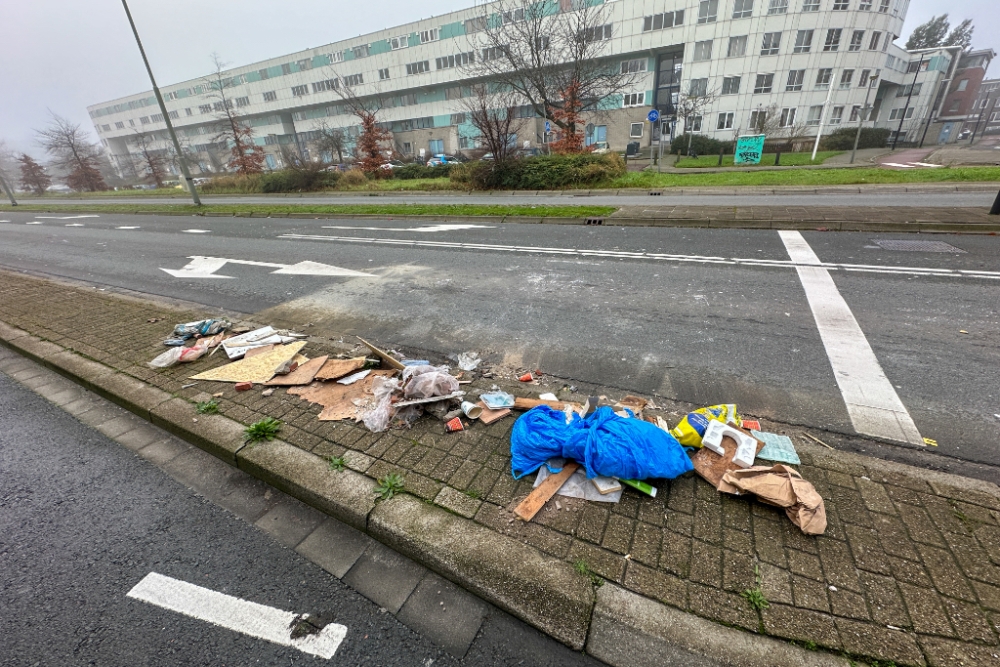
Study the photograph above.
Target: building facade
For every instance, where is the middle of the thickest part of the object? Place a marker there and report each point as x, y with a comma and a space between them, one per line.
987, 108
803, 64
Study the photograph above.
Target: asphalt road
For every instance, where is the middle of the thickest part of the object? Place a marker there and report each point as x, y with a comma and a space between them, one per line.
925, 200
83, 520
700, 315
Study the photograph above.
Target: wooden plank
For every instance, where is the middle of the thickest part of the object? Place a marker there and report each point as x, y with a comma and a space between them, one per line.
304, 374
334, 369
528, 403
530, 506
384, 356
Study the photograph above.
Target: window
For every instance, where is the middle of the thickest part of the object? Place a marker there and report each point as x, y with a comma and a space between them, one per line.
846, 77
269, 96
106, 128
457, 60
904, 91
725, 121
695, 124
833, 39
865, 6
737, 46
795, 79
777, 6
457, 118
119, 125
952, 108
787, 118
995, 116
219, 106
542, 43
841, 5
399, 42
383, 74
361, 51
514, 16
354, 79
597, 33
708, 11
286, 69
962, 85
636, 65
769, 47
242, 101
144, 120
299, 91
810, 5
699, 88
743, 9
635, 130
803, 41
633, 99
823, 77
703, 50
262, 73
855, 113
328, 84
473, 25
337, 57
431, 35
757, 120
883, 6
815, 115
857, 39
731, 85
865, 78
298, 115
837, 115
661, 21
188, 112
492, 53
418, 67
131, 123
764, 83
873, 42
304, 64
207, 108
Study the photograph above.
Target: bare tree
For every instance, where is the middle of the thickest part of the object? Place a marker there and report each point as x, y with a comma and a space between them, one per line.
230, 126
540, 55
494, 115
73, 152
691, 107
330, 140
33, 176
150, 161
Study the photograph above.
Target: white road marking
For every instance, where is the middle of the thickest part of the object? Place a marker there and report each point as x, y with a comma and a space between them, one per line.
232, 613
927, 164
871, 400
205, 267
76, 224
197, 231
614, 254
64, 217
425, 229
898, 165
127, 227
4, 220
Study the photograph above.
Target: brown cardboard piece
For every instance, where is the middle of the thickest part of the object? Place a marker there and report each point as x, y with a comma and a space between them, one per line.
338, 399
784, 487
304, 374
334, 369
711, 467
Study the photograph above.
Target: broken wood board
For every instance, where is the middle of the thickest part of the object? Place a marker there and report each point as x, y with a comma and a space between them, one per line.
540, 495
432, 399
633, 403
711, 467
528, 403
488, 416
257, 369
338, 399
384, 356
254, 351
334, 369
304, 374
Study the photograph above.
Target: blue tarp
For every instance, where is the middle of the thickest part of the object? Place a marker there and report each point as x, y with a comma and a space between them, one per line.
604, 443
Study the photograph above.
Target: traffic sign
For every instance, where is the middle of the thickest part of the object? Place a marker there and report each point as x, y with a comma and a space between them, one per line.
653, 116
548, 127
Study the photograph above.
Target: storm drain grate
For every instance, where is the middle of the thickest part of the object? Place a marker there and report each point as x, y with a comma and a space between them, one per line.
916, 246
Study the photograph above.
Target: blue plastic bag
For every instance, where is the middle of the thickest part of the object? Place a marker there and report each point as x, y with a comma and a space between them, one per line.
604, 443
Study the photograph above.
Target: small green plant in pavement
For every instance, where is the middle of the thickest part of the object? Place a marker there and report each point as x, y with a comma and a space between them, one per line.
266, 429
475, 494
755, 596
389, 486
207, 407
336, 463
581, 567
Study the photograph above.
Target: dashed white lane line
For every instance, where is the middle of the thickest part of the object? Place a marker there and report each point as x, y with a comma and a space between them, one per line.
872, 402
232, 613
425, 229
64, 217
34, 222
197, 231
75, 224
130, 227
615, 254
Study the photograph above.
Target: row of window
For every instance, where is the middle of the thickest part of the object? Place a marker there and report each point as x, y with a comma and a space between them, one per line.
764, 83
771, 43
708, 10
726, 120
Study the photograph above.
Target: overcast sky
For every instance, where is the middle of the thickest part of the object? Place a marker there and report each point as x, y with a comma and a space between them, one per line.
66, 54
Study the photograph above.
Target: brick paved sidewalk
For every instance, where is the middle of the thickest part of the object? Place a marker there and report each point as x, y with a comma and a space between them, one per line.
908, 571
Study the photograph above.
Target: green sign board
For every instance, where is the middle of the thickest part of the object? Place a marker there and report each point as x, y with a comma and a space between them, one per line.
749, 149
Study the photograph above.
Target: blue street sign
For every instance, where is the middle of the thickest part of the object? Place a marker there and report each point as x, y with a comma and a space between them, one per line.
653, 116
548, 126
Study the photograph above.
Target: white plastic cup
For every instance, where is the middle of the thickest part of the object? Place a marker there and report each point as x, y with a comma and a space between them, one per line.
471, 410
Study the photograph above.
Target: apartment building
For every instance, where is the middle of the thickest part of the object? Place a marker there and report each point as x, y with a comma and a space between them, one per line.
987, 108
958, 111
802, 63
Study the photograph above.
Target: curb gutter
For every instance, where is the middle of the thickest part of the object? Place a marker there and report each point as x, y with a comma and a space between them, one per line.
619, 627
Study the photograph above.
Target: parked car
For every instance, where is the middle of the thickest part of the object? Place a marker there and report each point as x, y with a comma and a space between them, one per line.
601, 147
440, 159
393, 164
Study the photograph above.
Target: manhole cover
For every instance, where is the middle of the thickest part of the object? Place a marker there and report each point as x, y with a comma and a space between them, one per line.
916, 246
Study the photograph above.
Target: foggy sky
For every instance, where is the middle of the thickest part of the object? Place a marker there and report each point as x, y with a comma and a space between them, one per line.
66, 54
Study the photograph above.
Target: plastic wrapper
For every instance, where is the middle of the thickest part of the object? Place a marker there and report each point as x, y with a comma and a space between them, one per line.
377, 418
468, 361
428, 381
176, 355
691, 429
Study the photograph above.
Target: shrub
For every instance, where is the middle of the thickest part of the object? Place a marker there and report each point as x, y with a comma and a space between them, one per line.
233, 185
354, 178
843, 138
296, 180
700, 144
546, 172
412, 171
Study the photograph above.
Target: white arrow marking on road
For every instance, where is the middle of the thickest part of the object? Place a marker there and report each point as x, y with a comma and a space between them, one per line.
425, 229
205, 267
64, 217
197, 231
232, 613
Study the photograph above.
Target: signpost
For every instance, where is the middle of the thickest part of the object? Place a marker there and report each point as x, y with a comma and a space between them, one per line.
653, 116
749, 149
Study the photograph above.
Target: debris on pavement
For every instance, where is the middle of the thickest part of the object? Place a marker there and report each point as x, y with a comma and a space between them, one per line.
334, 369
354, 377
692, 427
338, 400
267, 392
390, 360
176, 355
471, 410
304, 374
468, 361
776, 447
454, 425
527, 377
497, 400
244, 386
488, 415
711, 466
578, 486
815, 439
258, 369
237, 346
784, 487
541, 494
184, 332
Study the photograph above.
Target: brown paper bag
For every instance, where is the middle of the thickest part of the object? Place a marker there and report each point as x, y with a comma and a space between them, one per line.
784, 487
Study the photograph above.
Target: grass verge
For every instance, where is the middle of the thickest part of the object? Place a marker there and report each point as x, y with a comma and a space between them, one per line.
767, 160
814, 177
465, 210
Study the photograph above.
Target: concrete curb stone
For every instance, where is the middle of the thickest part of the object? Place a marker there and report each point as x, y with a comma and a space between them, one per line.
216, 434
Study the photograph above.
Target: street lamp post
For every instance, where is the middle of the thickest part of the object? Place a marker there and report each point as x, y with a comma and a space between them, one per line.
906, 107
163, 110
6, 188
864, 113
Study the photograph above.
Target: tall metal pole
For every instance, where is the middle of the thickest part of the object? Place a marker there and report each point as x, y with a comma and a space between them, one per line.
163, 110
906, 107
822, 118
996, 206
864, 113
6, 188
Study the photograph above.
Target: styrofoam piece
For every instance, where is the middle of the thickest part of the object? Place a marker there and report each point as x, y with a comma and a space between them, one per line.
746, 446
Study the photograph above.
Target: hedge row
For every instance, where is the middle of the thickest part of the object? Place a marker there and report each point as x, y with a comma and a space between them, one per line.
546, 172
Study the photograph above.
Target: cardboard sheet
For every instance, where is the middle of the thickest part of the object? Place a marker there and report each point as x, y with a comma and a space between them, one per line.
488, 416
784, 487
711, 467
304, 374
338, 399
334, 369
257, 369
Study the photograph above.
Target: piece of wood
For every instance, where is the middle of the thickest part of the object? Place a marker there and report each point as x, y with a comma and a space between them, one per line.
711, 467
254, 351
384, 356
812, 437
304, 374
540, 495
488, 416
334, 369
338, 399
528, 403
257, 369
